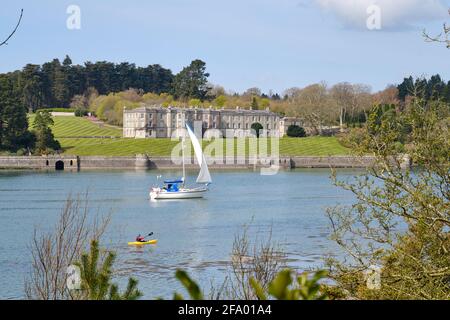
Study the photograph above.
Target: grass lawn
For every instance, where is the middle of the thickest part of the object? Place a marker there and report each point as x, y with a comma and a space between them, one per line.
312, 146
69, 130
80, 127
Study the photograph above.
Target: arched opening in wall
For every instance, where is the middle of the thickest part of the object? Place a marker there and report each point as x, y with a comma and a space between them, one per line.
59, 165
46, 163
71, 162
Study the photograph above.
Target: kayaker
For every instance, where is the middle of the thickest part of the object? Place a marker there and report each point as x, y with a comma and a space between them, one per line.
140, 238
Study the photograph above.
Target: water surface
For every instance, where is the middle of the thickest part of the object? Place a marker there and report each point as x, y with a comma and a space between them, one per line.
196, 235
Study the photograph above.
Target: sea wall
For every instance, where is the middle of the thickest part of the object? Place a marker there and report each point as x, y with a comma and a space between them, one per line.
145, 162
43, 162
332, 161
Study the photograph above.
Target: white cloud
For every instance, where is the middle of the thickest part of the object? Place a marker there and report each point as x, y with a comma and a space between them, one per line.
394, 13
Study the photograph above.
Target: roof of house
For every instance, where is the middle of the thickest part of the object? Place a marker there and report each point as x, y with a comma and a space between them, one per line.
160, 108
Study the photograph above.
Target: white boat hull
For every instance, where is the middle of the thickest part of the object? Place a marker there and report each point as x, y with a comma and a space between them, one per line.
160, 194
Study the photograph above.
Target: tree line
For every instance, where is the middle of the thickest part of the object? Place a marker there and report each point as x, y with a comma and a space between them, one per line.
318, 105
54, 84
104, 88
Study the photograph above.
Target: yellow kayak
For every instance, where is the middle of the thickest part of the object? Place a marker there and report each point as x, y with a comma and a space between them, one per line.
137, 243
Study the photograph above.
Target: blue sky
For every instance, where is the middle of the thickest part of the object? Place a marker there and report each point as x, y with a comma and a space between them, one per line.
270, 44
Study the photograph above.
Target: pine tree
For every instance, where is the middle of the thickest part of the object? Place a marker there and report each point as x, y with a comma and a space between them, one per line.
254, 105
31, 84
191, 82
96, 277
13, 119
45, 140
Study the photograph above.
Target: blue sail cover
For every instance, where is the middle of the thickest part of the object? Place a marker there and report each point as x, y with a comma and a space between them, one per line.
173, 181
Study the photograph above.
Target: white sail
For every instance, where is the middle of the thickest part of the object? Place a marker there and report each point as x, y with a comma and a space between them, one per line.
203, 176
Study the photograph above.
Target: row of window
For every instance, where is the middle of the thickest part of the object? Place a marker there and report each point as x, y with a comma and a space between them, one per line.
204, 117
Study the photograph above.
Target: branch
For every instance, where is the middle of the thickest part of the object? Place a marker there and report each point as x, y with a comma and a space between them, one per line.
443, 37
15, 29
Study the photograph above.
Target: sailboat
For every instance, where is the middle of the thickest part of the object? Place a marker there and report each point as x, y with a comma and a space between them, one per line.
176, 189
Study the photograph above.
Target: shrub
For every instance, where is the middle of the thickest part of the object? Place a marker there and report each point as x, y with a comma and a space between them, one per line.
257, 127
296, 131
58, 109
81, 113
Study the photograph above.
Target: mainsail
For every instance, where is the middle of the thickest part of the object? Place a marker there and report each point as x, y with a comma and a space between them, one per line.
203, 176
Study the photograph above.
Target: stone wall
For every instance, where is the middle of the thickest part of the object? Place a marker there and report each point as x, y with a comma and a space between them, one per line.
97, 162
44, 162
332, 161
144, 162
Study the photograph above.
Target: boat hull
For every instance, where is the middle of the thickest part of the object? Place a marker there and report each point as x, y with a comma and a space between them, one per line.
137, 243
158, 194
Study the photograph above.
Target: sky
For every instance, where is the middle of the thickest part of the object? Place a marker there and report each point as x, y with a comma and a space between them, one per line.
270, 44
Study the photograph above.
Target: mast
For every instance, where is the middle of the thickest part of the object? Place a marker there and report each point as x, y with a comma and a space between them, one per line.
182, 152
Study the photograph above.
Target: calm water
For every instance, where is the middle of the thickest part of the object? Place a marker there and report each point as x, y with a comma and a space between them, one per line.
196, 235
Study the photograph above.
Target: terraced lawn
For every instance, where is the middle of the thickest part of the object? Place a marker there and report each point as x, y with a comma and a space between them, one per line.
117, 147
73, 133
313, 146
80, 127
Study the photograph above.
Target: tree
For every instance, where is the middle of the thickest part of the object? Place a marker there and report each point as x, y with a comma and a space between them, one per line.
215, 91
31, 84
405, 88
220, 101
265, 103
60, 86
314, 104
191, 82
96, 277
254, 105
14, 132
195, 102
295, 131
257, 127
400, 220
443, 37
54, 250
342, 94
45, 140
253, 92
390, 95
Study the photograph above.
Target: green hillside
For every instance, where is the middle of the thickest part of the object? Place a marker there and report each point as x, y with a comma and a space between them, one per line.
80, 136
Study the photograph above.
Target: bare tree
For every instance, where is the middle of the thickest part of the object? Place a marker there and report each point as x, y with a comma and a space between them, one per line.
14, 31
387, 96
314, 105
54, 251
343, 95
351, 99
443, 37
261, 260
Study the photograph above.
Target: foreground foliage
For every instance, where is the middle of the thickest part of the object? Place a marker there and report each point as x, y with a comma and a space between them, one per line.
53, 251
400, 222
282, 287
96, 277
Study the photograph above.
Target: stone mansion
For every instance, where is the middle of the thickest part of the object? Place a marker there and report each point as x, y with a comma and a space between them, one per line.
161, 122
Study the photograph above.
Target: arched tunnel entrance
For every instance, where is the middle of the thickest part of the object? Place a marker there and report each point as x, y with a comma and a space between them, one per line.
59, 165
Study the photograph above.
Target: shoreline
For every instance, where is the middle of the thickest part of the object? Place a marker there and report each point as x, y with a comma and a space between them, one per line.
66, 162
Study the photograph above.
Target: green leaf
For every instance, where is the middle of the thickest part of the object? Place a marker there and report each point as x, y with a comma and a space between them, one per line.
191, 287
279, 286
259, 291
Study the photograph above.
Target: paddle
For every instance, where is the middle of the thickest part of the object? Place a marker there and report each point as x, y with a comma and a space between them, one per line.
150, 234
